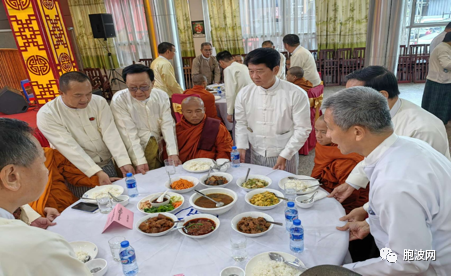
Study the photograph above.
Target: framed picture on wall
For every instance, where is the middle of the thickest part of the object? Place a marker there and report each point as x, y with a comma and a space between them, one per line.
198, 28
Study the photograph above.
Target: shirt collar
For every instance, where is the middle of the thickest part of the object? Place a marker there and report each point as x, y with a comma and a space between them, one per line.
296, 49
205, 57
164, 58
61, 99
5, 214
395, 108
272, 89
377, 153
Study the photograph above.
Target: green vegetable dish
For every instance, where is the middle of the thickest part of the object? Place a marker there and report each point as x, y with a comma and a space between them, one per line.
255, 183
160, 209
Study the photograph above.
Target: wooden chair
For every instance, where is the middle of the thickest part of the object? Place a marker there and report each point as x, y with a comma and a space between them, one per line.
147, 61
100, 81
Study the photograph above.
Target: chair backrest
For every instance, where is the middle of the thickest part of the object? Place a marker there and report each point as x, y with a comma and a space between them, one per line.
316, 91
177, 104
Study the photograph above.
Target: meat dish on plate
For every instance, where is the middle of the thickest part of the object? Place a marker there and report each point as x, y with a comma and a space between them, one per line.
156, 224
216, 180
206, 203
250, 225
198, 227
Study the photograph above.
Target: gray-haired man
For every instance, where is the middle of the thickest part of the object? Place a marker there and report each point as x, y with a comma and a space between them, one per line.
205, 65
409, 201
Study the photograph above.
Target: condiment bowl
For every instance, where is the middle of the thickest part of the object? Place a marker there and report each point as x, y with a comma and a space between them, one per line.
240, 181
92, 264
232, 270
125, 200
141, 220
227, 176
152, 196
249, 195
165, 200
214, 211
238, 217
298, 202
194, 180
85, 246
207, 216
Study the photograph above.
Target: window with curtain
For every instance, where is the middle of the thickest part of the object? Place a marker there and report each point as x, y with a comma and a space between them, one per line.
184, 27
272, 19
132, 38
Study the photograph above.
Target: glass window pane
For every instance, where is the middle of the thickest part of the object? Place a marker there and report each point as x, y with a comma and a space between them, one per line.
424, 35
433, 11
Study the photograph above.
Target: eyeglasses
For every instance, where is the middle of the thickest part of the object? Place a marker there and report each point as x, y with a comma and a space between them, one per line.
142, 88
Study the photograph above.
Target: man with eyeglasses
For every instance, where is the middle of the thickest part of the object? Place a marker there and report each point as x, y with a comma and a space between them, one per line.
164, 71
143, 118
205, 65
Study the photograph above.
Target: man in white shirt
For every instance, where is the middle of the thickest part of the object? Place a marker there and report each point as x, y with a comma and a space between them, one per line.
81, 127
409, 200
236, 76
143, 118
439, 38
27, 250
282, 66
164, 71
206, 65
301, 57
272, 115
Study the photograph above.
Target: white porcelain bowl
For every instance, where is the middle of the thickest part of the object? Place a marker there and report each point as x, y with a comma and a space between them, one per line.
194, 180
169, 215
167, 197
232, 270
237, 218
240, 181
298, 200
98, 263
225, 167
249, 195
211, 217
214, 211
227, 176
125, 200
86, 247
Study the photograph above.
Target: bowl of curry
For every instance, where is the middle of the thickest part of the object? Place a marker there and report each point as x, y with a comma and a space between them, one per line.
264, 199
252, 224
204, 205
200, 226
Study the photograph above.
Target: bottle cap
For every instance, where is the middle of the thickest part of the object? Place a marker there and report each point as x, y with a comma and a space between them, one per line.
234, 147
290, 204
297, 222
129, 175
125, 244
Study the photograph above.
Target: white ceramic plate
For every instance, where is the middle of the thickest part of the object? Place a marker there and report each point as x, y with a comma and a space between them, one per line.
215, 86
116, 190
141, 220
227, 176
238, 217
86, 247
204, 160
213, 218
240, 181
252, 265
249, 195
301, 177
152, 196
194, 180
217, 98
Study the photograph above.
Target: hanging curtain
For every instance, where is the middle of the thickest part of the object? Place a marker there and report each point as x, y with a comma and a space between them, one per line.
226, 26
132, 39
273, 19
93, 51
341, 23
184, 27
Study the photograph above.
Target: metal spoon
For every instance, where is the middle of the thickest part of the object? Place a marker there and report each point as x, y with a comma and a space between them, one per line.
273, 222
279, 258
115, 198
310, 199
160, 198
87, 258
247, 175
218, 204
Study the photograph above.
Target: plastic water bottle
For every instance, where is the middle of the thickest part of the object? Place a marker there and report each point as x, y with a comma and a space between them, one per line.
297, 237
235, 157
290, 214
131, 185
220, 93
128, 259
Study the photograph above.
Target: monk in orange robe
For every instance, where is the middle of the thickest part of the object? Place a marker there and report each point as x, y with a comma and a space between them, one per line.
295, 75
199, 136
332, 167
200, 83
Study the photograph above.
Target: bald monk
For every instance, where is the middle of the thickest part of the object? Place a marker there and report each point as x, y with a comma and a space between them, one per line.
295, 75
200, 83
332, 167
199, 136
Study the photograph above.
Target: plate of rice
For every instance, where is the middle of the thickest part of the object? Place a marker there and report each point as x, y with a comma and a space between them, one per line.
262, 265
198, 165
92, 194
302, 186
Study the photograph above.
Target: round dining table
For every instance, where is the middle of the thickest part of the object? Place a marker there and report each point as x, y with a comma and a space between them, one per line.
176, 254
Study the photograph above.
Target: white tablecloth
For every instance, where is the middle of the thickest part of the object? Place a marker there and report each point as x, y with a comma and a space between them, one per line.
221, 107
176, 254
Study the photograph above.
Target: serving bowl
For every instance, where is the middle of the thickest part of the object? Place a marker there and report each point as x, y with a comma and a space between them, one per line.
194, 180
249, 195
238, 217
141, 220
227, 176
240, 181
92, 264
207, 216
214, 211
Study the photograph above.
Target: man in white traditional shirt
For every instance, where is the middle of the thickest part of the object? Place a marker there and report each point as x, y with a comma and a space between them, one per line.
164, 71
143, 118
301, 57
81, 127
206, 65
439, 38
408, 119
272, 115
410, 195
27, 250
282, 66
236, 76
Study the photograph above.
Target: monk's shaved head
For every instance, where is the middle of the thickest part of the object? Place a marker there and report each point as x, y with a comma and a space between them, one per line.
193, 100
321, 131
320, 118
193, 110
296, 71
199, 79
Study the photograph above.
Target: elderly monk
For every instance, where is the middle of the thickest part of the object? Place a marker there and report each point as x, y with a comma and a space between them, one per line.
26, 250
332, 167
207, 65
81, 127
143, 118
164, 71
296, 75
200, 83
281, 73
199, 136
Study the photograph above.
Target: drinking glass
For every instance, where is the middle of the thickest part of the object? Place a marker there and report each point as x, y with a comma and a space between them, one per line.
238, 244
289, 190
169, 166
104, 203
115, 247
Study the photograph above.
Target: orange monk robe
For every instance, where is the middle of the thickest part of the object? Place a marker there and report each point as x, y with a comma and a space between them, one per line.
56, 193
332, 168
208, 99
304, 84
209, 139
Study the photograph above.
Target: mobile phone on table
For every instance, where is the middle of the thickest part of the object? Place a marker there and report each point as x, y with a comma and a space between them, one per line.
87, 207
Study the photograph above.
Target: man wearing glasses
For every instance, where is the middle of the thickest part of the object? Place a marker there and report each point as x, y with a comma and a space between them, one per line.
205, 65
143, 117
164, 71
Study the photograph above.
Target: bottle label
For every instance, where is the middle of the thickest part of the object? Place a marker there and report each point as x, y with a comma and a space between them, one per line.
130, 258
297, 236
235, 157
131, 185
